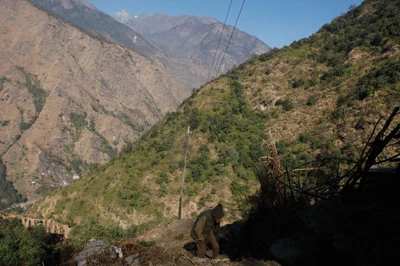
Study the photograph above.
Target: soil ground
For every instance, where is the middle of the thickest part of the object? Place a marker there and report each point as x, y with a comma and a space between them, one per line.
174, 246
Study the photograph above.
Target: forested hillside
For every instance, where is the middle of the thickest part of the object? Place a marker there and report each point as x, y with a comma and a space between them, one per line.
316, 100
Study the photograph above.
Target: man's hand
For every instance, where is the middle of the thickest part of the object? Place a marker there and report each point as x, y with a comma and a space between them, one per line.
201, 243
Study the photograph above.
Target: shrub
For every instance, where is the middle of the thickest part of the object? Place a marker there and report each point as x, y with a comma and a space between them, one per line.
92, 229
2, 80
312, 100
384, 76
305, 136
20, 246
4, 123
162, 178
286, 104
78, 120
38, 94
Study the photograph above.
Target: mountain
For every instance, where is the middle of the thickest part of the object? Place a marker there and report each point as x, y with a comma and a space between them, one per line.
192, 73
195, 40
69, 98
86, 16
317, 99
123, 16
93, 21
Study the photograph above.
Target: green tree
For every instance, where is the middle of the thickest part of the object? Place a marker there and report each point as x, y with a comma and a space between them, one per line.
20, 246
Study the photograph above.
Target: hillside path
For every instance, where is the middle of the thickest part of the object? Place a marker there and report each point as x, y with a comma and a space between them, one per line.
174, 238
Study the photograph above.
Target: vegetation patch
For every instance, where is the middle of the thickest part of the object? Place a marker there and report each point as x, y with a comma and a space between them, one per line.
78, 120
20, 246
2, 81
4, 123
103, 145
91, 228
387, 76
135, 126
38, 94
8, 194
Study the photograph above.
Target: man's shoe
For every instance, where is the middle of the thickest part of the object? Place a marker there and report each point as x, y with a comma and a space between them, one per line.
219, 259
209, 254
200, 260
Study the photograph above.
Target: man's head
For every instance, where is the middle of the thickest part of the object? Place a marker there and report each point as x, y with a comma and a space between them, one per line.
217, 213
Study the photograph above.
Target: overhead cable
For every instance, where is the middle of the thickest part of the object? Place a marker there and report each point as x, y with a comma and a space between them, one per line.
219, 41
237, 19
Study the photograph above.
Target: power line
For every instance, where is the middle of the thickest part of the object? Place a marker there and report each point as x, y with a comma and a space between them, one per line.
219, 41
237, 19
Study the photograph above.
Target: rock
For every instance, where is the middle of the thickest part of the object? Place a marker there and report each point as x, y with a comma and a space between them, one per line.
133, 260
287, 251
118, 251
82, 263
97, 251
98, 243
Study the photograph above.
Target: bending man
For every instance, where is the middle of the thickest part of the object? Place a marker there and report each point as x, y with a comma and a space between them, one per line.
205, 228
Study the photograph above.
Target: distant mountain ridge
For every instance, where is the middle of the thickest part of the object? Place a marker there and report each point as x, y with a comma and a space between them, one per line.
184, 64
195, 39
126, 17
87, 16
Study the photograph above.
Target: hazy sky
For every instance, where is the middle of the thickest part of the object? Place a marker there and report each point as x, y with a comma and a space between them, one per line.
276, 22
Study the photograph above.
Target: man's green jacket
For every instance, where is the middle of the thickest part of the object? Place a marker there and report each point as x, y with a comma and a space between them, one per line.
203, 226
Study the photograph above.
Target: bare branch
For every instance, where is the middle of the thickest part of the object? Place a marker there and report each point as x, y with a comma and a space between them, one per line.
391, 159
376, 148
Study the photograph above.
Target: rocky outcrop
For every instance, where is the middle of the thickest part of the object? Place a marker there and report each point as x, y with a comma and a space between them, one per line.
98, 253
50, 225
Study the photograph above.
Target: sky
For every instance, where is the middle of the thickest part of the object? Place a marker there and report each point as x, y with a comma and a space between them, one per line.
275, 22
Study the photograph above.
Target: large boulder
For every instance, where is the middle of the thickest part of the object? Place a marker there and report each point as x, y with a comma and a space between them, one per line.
98, 252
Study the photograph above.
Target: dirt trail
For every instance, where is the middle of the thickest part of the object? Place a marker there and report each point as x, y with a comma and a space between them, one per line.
172, 238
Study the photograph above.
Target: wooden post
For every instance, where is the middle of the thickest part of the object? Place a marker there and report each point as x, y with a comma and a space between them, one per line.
183, 174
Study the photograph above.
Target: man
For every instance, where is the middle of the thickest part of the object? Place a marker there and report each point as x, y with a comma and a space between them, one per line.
205, 228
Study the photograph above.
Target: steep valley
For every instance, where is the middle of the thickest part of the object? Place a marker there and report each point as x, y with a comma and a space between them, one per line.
313, 100
301, 145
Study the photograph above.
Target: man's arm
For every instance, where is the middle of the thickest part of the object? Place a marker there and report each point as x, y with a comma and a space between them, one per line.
201, 223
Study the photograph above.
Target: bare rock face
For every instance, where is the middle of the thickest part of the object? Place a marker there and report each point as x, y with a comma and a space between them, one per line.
68, 99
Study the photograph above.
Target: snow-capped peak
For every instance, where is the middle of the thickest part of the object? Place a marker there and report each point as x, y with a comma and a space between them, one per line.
123, 16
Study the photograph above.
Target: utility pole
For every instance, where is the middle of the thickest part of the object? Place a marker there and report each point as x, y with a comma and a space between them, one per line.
183, 174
